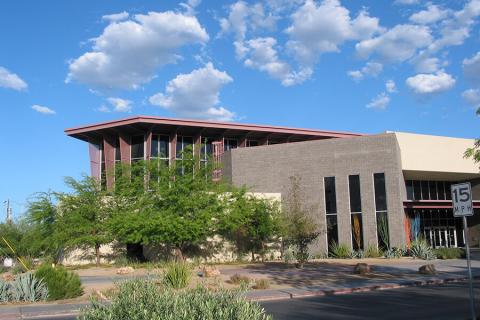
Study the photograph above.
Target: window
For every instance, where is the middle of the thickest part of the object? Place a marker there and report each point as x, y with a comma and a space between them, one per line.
252, 143
161, 149
356, 212
409, 186
229, 144
432, 186
331, 210
118, 159
184, 153
137, 148
383, 235
428, 190
206, 151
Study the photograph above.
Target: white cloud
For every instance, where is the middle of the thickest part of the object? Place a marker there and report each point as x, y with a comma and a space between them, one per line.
424, 84
128, 53
380, 102
43, 110
370, 69
196, 94
426, 64
115, 17
190, 6
322, 28
432, 14
103, 108
11, 80
472, 97
406, 2
120, 105
391, 86
471, 68
397, 44
262, 55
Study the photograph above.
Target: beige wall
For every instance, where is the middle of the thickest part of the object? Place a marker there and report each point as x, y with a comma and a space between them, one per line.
436, 154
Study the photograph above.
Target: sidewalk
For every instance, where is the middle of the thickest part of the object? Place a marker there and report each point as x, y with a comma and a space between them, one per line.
324, 277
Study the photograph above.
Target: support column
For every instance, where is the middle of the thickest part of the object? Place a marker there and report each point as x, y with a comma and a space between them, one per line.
148, 145
242, 142
197, 141
173, 148
109, 157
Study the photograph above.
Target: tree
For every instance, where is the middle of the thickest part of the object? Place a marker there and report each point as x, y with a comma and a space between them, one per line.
249, 222
84, 215
299, 227
474, 152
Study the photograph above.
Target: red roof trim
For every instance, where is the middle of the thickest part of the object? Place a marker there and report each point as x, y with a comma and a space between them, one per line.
207, 124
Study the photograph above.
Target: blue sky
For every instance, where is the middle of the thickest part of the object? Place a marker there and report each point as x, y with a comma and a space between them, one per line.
360, 66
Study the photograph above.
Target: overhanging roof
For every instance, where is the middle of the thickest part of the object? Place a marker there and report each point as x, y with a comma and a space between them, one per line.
144, 123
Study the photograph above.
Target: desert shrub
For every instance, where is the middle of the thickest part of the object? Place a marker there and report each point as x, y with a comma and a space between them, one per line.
420, 249
177, 275
288, 255
24, 288
358, 254
239, 279
393, 253
61, 283
372, 252
144, 300
340, 251
449, 253
261, 284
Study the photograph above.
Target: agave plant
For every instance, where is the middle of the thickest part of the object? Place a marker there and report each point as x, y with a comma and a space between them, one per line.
27, 288
421, 250
4, 292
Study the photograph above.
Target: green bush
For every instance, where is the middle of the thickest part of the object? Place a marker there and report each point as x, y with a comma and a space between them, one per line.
372, 252
143, 300
239, 279
61, 283
421, 250
261, 284
25, 288
340, 251
450, 253
177, 275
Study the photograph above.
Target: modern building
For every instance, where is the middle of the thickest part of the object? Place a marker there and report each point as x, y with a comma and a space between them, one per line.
356, 185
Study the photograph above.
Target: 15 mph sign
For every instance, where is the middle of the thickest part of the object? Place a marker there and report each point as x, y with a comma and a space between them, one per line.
462, 199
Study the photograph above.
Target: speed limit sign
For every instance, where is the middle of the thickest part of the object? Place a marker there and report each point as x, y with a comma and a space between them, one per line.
462, 199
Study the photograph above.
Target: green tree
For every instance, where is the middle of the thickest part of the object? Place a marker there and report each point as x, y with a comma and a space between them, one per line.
474, 151
250, 222
300, 229
84, 215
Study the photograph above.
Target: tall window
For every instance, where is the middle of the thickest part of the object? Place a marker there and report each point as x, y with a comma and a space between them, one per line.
229, 144
356, 211
137, 148
184, 153
331, 210
118, 159
161, 149
381, 210
206, 151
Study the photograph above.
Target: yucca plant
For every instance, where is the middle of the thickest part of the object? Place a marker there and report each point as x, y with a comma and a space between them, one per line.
177, 275
4, 292
421, 250
26, 287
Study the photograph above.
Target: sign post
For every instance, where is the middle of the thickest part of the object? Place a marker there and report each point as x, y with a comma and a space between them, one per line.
463, 207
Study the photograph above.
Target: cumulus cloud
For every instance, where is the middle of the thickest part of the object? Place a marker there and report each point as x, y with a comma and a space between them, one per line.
425, 84
397, 44
322, 28
370, 69
43, 110
432, 14
190, 6
120, 105
196, 94
472, 97
380, 102
471, 68
115, 17
127, 53
10, 80
391, 86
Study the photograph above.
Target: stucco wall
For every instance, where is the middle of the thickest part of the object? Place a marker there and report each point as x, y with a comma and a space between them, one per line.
268, 168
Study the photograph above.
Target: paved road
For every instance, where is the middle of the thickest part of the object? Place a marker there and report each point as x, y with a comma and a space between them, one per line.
435, 302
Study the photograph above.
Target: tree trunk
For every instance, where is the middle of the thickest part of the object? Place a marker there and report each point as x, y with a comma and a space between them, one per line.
97, 254
178, 254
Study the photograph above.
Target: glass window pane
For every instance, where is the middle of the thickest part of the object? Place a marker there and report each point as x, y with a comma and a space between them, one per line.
448, 192
417, 192
164, 147
330, 195
425, 193
137, 147
252, 143
382, 230
332, 229
432, 185
440, 190
355, 198
154, 148
118, 155
357, 231
179, 147
380, 191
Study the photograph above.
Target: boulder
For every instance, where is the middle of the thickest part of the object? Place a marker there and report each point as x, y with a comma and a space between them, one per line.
362, 268
125, 270
427, 269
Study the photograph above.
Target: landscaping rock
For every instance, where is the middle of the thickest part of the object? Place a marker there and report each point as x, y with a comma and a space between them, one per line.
210, 272
7, 276
362, 268
125, 270
427, 269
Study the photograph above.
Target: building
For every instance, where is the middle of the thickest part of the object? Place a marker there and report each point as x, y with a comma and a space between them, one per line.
357, 185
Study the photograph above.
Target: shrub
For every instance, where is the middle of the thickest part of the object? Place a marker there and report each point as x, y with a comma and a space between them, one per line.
239, 279
288, 255
449, 253
393, 253
25, 288
421, 250
358, 254
177, 275
372, 252
261, 284
143, 300
61, 283
340, 251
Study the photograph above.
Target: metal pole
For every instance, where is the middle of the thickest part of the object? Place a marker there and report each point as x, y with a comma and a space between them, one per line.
470, 281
